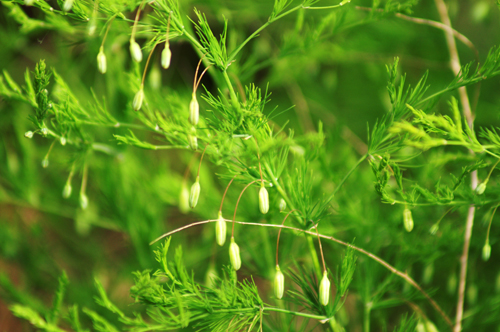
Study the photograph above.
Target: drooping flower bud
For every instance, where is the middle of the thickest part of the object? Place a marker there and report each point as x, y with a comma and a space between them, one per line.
428, 274
486, 251
45, 162
28, 134
279, 283
192, 139
67, 190
67, 5
481, 187
84, 201
263, 200
433, 230
194, 194
408, 219
184, 199
101, 61
194, 110
166, 56
220, 230
324, 289
451, 286
282, 205
234, 255
44, 131
211, 276
135, 51
430, 327
138, 99
62, 140
28, 2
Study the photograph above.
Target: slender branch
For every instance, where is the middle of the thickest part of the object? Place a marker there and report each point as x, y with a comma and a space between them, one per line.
279, 234
147, 63
225, 191
296, 313
464, 100
238, 202
438, 25
201, 159
489, 225
321, 249
391, 268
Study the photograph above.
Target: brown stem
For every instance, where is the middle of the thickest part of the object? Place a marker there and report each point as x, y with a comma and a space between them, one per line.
321, 250
196, 74
201, 75
146, 67
464, 100
201, 159
136, 19
186, 173
238, 202
279, 233
225, 191
403, 275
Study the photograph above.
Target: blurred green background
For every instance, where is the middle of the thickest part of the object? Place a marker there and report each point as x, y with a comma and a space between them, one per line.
329, 65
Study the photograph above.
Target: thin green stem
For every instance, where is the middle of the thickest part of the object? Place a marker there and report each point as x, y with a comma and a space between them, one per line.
489, 225
234, 98
347, 176
296, 313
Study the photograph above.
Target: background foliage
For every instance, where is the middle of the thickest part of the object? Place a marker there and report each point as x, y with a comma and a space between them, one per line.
352, 112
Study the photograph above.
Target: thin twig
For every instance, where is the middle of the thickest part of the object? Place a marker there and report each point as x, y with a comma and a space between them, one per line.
405, 276
464, 100
225, 191
238, 202
279, 234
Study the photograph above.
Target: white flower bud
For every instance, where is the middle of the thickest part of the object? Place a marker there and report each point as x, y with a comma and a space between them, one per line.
44, 131
481, 188
279, 283
166, 56
28, 134
84, 201
135, 51
408, 219
194, 110
184, 199
192, 139
28, 2
220, 230
67, 190
433, 230
194, 194
67, 5
282, 205
234, 255
101, 61
62, 140
138, 99
324, 289
486, 251
263, 200
45, 162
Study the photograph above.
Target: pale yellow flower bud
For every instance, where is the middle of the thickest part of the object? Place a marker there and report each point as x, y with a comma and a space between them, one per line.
68, 4
282, 205
166, 56
263, 200
194, 194
324, 289
486, 251
138, 99
408, 219
220, 230
194, 110
234, 255
101, 61
279, 283
135, 51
